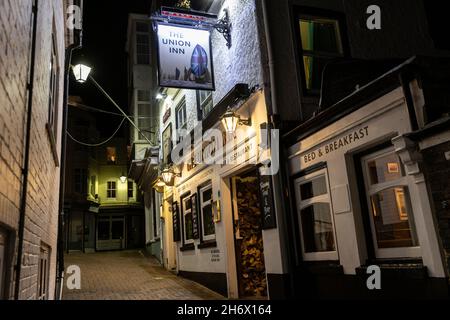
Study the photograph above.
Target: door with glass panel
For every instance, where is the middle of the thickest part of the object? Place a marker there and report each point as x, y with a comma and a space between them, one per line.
110, 233
390, 211
315, 217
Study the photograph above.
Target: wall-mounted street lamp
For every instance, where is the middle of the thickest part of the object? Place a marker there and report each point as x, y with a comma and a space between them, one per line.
123, 178
168, 176
81, 72
231, 120
161, 96
160, 183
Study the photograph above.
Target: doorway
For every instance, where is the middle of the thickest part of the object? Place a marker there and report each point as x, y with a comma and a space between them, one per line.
249, 248
110, 233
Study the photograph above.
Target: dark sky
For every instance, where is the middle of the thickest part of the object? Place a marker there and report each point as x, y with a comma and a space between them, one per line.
104, 37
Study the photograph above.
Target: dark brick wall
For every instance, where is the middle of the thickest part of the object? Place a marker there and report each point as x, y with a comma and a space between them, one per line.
405, 32
437, 170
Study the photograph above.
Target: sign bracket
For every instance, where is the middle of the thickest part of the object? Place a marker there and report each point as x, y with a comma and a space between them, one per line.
197, 19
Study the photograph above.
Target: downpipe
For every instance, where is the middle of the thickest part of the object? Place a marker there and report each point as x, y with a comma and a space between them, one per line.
26, 160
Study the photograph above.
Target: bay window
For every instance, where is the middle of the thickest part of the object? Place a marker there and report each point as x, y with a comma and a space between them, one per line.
391, 213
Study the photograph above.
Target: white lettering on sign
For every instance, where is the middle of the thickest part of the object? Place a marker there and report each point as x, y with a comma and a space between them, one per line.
331, 147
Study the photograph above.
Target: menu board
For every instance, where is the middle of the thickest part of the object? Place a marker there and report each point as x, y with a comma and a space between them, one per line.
195, 220
176, 222
267, 204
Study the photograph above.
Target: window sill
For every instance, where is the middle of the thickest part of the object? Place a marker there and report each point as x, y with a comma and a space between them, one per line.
413, 269
52, 140
207, 244
323, 267
188, 247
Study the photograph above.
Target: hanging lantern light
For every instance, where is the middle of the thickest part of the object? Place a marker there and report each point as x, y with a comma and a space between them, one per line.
231, 119
81, 72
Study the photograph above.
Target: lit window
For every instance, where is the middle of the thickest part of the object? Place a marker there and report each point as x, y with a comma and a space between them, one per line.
208, 225
316, 217
188, 222
111, 155
111, 190
391, 213
321, 43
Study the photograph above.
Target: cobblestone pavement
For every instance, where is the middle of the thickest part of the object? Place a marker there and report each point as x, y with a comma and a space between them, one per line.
128, 275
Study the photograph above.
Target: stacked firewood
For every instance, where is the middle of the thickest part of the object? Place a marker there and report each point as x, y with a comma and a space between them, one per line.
253, 280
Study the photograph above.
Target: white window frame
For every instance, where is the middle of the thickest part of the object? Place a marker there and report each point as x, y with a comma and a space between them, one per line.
141, 33
405, 181
108, 189
203, 204
186, 212
302, 204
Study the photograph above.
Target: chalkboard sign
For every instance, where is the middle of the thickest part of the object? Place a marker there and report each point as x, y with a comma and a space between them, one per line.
176, 222
267, 205
195, 220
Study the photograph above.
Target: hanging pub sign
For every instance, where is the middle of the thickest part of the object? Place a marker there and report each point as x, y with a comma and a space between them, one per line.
176, 222
184, 57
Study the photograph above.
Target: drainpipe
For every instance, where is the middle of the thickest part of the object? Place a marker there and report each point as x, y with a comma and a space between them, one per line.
277, 179
60, 246
26, 161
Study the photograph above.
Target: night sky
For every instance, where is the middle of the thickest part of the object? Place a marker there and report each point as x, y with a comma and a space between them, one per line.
104, 38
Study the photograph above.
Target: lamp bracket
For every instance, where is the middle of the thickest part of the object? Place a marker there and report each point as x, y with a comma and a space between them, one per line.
245, 122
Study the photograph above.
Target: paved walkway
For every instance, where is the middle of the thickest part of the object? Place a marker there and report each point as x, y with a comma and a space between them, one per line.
128, 275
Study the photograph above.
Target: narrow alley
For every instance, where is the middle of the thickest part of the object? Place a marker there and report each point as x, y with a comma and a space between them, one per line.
129, 275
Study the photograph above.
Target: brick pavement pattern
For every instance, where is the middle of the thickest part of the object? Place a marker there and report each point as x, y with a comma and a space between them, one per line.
129, 275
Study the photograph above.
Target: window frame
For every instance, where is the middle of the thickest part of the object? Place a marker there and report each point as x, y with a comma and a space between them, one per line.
302, 204
108, 162
201, 104
130, 190
405, 182
309, 13
43, 273
110, 188
203, 204
143, 117
181, 106
141, 33
53, 97
184, 212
